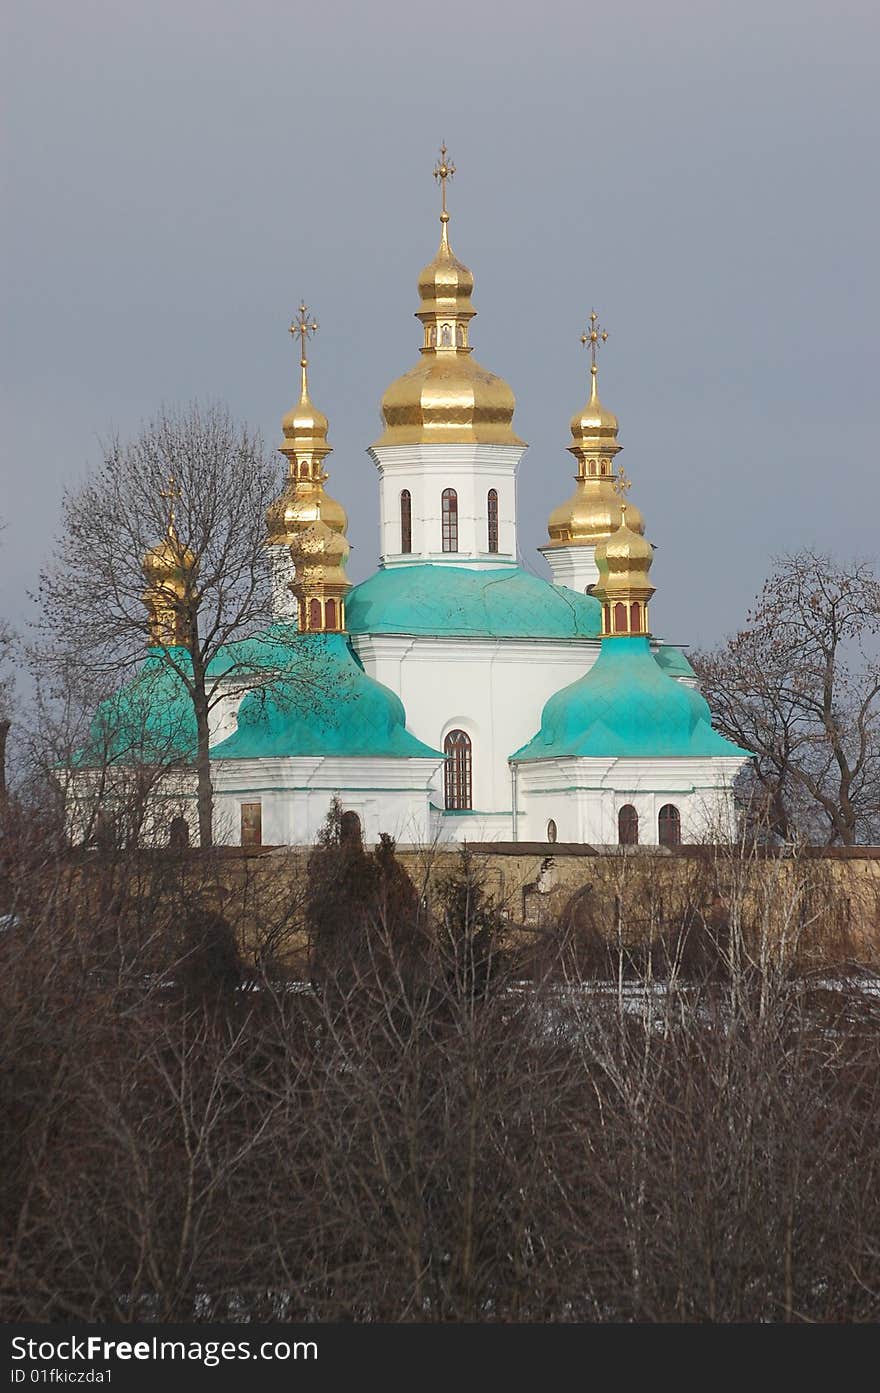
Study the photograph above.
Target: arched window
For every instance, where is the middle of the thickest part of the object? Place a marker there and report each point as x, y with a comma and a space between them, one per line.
635, 617
620, 617
330, 614
628, 826
304, 470
492, 509
450, 520
314, 614
405, 521
551, 831
457, 748
669, 825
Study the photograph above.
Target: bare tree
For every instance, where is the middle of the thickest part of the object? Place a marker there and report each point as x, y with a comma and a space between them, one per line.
91, 596
800, 686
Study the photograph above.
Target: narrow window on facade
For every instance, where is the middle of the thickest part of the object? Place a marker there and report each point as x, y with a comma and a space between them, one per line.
492, 507
551, 831
620, 617
330, 614
314, 614
628, 826
635, 617
252, 824
406, 521
457, 748
450, 520
669, 825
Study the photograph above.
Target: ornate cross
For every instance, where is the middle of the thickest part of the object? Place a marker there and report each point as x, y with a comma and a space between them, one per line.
305, 325
593, 336
622, 484
443, 170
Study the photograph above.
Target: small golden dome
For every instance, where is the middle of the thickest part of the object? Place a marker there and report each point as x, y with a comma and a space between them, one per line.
170, 563
624, 559
593, 424
447, 397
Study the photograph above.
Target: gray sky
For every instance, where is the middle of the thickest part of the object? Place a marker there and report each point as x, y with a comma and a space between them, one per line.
179, 172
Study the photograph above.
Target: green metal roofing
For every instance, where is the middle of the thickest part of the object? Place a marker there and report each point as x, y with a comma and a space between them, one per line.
453, 601
626, 705
325, 704
148, 721
673, 661
272, 650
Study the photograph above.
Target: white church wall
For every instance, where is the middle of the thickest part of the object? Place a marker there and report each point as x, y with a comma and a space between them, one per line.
426, 470
584, 797
493, 689
388, 795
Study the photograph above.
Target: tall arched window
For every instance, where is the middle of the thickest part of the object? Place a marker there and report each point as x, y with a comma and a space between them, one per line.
330, 614
635, 617
406, 521
620, 618
669, 825
457, 748
450, 520
628, 826
314, 614
492, 508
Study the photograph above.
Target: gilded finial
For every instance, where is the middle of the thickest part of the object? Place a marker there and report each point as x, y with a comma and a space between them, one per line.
171, 493
594, 335
443, 170
622, 486
305, 325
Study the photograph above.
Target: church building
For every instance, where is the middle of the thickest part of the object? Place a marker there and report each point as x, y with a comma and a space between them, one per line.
454, 695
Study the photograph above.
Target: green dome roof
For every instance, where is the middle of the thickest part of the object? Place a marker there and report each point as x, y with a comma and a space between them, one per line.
455, 601
627, 705
148, 721
673, 662
323, 705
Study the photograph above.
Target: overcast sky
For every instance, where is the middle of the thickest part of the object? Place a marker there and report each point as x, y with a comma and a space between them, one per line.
179, 172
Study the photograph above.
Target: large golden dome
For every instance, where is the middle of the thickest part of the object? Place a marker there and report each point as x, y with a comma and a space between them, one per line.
592, 512
447, 397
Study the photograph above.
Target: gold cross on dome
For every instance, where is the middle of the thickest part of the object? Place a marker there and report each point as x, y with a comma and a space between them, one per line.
622, 484
305, 325
594, 335
443, 170
171, 493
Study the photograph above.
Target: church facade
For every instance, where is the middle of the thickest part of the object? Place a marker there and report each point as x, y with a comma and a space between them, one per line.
454, 695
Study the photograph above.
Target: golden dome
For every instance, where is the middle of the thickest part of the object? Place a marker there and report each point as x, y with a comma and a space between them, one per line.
447, 397
303, 501
319, 555
624, 588
169, 570
594, 425
592, 512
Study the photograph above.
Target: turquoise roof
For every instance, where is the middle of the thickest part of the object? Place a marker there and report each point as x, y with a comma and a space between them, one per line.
673, 661
272, 650
324, 705
454, 601
148, 721
626, 705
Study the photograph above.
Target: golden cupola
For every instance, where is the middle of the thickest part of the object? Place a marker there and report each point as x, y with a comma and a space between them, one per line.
320, 584
594, 509
170, 570
624, 587
305, 446
447, 397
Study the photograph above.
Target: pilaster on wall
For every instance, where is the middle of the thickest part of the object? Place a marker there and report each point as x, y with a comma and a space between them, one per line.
424, 472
